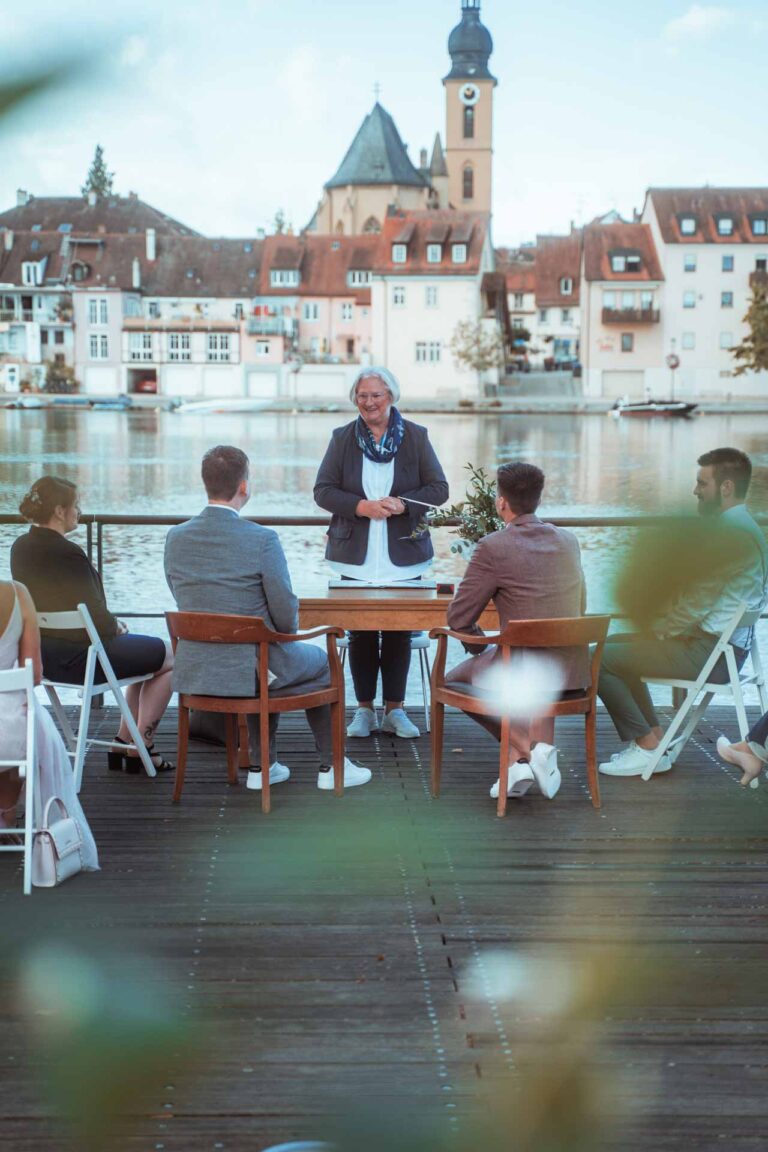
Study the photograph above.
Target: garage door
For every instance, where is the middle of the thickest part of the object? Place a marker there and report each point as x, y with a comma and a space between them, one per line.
264, 385
616, 384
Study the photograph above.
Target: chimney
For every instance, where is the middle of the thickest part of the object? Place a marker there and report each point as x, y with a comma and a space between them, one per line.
91, 199
136, 273
8, 239
423, 160
151, 244
22, 197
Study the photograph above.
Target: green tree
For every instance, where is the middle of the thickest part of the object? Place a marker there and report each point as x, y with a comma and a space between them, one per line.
60, 378
752, 354
98, 180
476, 346
279, 223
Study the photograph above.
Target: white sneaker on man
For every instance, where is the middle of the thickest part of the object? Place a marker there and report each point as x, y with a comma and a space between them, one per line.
354, 774
633, 761
277, 774
545, 770
363, 723
519, 779
400, 724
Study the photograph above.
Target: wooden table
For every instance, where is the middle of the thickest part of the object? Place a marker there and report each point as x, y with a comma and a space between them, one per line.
383, 609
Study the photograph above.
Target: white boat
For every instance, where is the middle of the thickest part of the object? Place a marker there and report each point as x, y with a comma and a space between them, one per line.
649, 407
235, 404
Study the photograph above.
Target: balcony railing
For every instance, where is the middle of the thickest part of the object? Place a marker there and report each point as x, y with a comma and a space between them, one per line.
269, 326
631, 315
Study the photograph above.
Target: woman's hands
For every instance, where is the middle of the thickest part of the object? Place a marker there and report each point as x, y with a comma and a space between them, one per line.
381, 509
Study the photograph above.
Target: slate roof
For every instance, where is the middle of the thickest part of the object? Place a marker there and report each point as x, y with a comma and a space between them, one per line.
377, 155
437, 165
601, 240
556, 257
705, 205
470, 46
110, 214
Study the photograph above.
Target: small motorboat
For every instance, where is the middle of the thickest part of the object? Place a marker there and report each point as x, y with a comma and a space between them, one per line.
234, 404
650, 407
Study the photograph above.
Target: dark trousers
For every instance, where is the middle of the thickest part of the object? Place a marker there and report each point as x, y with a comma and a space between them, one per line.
385, 652
319, 719
629, 657
757, 738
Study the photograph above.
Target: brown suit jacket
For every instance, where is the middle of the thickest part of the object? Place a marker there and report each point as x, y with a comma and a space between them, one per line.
531, 571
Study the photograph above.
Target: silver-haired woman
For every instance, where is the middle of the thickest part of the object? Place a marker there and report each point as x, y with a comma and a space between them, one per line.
377, 475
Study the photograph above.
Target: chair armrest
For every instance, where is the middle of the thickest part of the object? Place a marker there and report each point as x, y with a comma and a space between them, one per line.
292, 638
465, 637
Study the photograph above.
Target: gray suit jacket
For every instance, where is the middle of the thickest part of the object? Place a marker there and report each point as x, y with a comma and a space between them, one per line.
218, 562
531, 571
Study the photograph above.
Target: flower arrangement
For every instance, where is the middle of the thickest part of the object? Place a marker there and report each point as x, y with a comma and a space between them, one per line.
476, 515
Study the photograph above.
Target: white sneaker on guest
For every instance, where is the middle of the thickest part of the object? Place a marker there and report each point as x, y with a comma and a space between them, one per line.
519, 780
354, 774
633, 761
400, 724
363, 723
545, 770
277, 774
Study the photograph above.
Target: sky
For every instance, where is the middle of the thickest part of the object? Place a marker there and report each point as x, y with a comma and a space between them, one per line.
221, 114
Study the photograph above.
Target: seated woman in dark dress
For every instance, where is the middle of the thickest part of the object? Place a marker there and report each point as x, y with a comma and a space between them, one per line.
60, 576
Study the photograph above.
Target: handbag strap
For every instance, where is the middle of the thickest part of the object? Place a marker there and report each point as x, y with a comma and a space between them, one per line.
53, 800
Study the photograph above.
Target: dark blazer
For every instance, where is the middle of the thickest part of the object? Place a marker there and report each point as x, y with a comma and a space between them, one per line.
60, 576
531, 571
339, 489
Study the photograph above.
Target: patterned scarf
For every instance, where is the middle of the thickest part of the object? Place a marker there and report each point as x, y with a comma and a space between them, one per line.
392, 439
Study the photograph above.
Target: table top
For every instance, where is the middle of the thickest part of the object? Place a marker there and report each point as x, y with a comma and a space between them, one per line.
372, 609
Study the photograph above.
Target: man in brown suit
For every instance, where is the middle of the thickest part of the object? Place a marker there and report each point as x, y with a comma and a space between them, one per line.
531, 571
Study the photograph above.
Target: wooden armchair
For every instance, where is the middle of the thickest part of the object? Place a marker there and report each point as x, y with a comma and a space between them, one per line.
213, 628
529, 634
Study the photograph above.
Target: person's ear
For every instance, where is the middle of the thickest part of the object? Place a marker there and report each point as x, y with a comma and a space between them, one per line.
727, 489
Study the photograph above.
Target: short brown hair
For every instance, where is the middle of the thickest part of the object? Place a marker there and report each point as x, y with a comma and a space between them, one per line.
45, 496
223, 471
521, 486
729, 464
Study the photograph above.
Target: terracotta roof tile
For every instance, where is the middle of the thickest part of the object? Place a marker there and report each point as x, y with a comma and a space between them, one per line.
468, 228
557, 257
601, 241
705, 205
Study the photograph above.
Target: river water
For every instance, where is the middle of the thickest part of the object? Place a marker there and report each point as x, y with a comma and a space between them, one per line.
148, 463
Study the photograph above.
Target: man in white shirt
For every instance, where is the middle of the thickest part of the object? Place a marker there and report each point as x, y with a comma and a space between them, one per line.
682, 640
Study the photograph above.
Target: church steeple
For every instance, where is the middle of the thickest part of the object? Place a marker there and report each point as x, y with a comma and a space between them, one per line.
470, 45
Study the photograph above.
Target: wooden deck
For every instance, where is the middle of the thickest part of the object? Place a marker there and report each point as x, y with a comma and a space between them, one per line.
360, 951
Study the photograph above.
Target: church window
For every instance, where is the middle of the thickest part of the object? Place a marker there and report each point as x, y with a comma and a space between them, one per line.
468, 183
469, 123
372, 225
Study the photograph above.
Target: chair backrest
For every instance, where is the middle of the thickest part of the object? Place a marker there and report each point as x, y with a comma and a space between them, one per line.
218, 628
559, 632
22, 680
78, 619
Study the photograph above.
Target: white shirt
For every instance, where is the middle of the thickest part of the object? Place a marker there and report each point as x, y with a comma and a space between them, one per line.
377, 568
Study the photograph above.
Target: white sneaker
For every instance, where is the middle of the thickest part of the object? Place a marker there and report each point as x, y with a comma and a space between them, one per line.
277, 774
363, 723
354, 774
545, 770
519, 780
633, 761
398, 722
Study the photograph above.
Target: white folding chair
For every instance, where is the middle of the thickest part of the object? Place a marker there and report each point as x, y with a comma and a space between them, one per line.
78, 742
699, 692
420, 643
22, 680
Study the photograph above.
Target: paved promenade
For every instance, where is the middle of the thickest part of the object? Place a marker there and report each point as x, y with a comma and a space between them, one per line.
258, 976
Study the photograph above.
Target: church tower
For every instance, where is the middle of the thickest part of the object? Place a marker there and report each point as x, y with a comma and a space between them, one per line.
469, 112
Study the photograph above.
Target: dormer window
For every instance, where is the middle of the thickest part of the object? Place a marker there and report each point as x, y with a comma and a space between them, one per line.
566, 286
725, 226
32, 273
434, 253
399, 253
358, 279
688, 225
618, 263
633, 263
284, 278
459, 253
760, 225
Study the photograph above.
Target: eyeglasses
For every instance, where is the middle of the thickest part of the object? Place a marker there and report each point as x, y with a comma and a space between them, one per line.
364, 397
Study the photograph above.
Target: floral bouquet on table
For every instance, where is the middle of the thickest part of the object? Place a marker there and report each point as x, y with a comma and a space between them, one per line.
471, 519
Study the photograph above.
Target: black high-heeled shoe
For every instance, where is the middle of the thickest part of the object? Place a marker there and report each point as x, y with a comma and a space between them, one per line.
130, 763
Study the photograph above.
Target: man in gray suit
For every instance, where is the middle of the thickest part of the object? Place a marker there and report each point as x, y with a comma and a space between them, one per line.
218, 562
531, 571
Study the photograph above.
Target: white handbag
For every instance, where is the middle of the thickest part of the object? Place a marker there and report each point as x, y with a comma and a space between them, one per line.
56, 851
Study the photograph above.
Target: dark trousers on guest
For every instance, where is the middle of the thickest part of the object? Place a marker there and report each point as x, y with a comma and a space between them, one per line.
628, 657
757, 738
319, 719
385, 652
